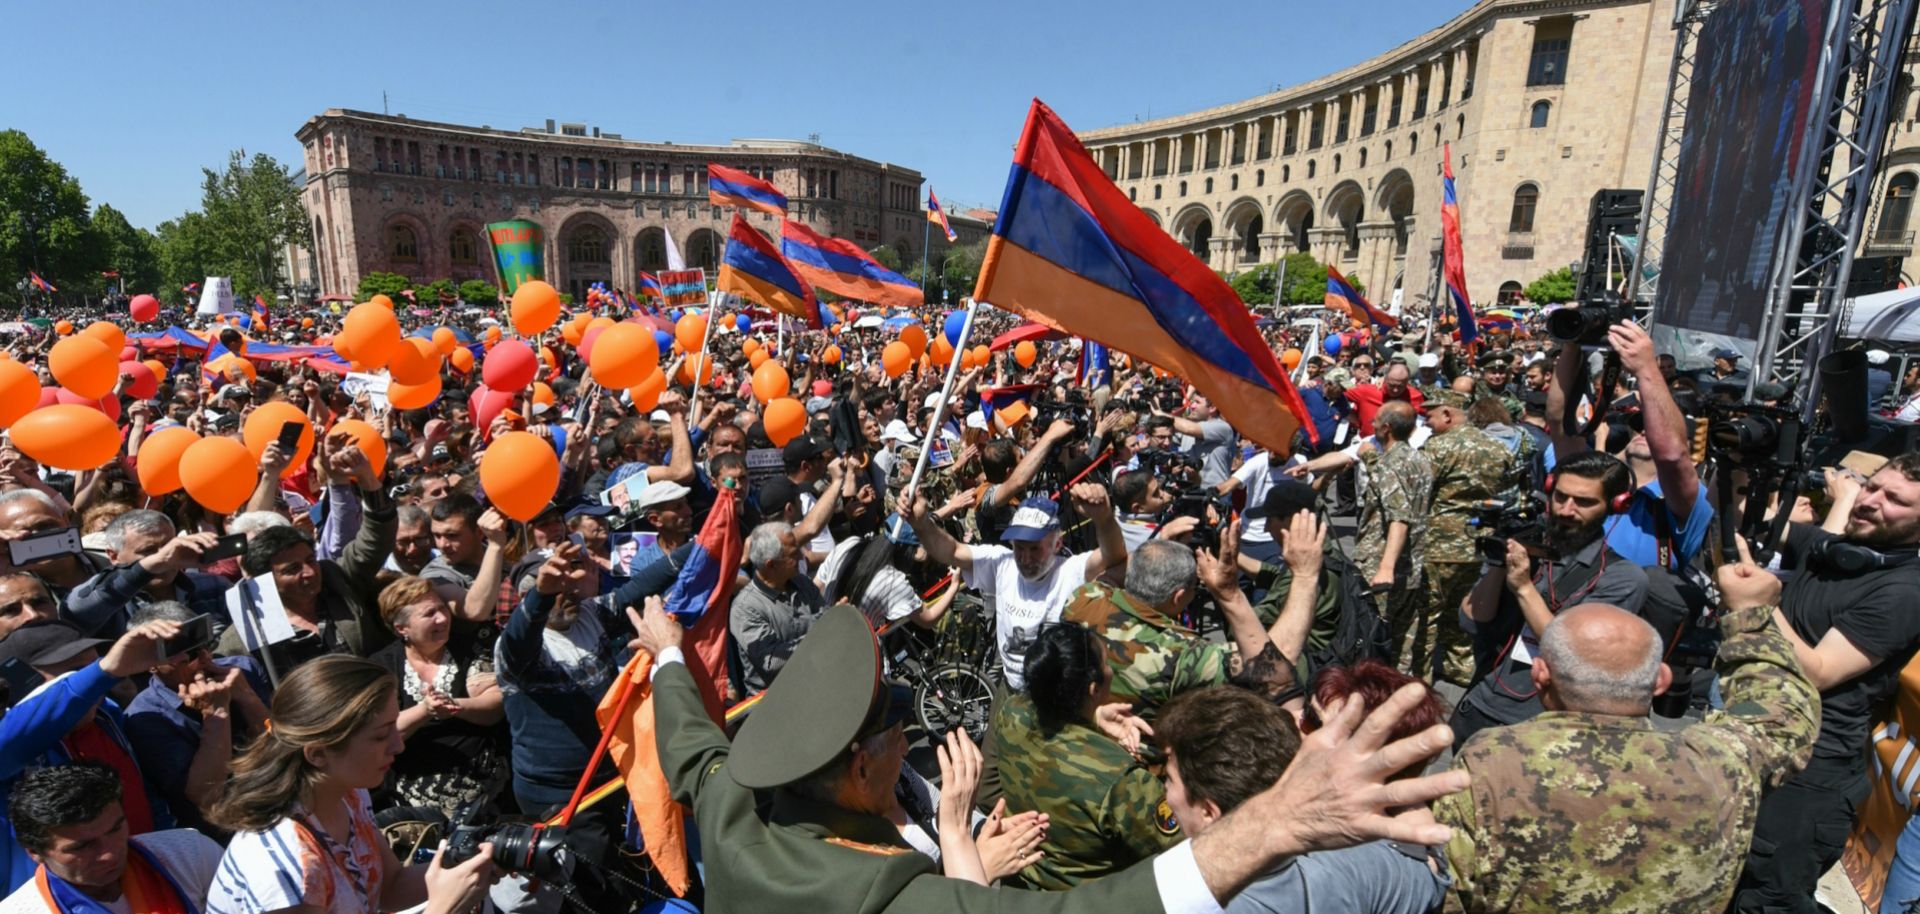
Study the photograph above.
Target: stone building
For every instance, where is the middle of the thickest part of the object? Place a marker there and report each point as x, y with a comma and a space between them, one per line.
400, 195
1543, 101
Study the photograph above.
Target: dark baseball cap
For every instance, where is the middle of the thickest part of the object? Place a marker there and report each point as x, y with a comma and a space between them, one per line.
805, 448
46, 643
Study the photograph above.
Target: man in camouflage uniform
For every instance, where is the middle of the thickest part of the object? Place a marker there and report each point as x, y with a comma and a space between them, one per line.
1496, 377
1588, 808
1468, 469
1119, 812
1389, 546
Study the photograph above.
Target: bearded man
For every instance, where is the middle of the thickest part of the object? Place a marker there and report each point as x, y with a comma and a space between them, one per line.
1531, 583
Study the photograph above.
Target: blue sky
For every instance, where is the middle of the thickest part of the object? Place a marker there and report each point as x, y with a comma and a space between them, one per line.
135, 98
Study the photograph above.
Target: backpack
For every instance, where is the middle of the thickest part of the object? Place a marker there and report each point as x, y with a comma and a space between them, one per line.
1361, 632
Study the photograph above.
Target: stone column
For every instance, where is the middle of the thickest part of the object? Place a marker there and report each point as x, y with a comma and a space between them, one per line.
1219, 256
1270, 244
1376, 257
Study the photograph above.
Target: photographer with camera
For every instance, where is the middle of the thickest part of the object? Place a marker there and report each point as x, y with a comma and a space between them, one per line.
1007, 480
1524, 585
305, 838
1848, 611
1212, 438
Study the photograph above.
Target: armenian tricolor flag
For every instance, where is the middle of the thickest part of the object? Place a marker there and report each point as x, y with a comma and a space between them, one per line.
937, 215
841, 267
40, 284
1069, 250
733, 187
260, 321
1453, 270
650, 288
1342, 296
754, 270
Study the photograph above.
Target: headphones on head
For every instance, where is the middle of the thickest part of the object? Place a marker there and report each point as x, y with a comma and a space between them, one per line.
1615, 505
1850, 559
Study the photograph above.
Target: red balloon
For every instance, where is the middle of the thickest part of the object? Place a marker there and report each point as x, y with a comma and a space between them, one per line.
509, 367
109, 404
585, 348
144, 308
486, 404
141, 382
129, 353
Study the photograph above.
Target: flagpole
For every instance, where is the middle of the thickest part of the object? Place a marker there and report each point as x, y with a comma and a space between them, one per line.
939, 413
926, 238
713, 317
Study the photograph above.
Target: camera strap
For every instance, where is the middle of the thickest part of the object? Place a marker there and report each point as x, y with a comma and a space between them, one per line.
1599, 395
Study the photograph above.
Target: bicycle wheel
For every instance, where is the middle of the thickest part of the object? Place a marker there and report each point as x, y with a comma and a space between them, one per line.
953, 695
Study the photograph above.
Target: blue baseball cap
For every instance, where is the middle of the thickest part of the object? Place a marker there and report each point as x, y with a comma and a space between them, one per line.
1032, 521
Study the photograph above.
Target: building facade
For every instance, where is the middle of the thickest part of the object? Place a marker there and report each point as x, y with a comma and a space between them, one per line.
400, 195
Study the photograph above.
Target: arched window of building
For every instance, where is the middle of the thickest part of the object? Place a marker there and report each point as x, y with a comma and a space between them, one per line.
402, 246
1311, 168
1413, 143
1460, 127
1896, 208
1233, 182
1156, 192
1525, 199
588, 245
1388, 152
1183, 188
1336, 163
463, 249
1133, 193
1538, 118
1363, 157
1209, 185
1509, 293
1260, 177
1286, 173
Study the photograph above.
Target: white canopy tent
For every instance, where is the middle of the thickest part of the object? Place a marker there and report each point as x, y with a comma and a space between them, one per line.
1892, 316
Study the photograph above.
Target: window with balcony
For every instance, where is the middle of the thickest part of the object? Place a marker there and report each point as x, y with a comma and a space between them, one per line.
1525, 199
1547, 65
402, 246
1896, 208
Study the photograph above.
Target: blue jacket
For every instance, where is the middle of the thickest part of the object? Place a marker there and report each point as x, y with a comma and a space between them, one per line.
28, 734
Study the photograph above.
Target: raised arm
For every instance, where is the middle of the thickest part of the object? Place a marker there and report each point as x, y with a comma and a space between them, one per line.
1666, 427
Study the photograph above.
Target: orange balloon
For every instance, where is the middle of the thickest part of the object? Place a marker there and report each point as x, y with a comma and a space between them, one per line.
444, 340
492, 337
158, 462
542, 394
573, 330
306, 323
382, 301
1290, 358
604, 321
548, 357
107, 333
915, 336
784, 420
691, 331
159, 367
219, 473
342, 349
19, 391
749, 346
462, 359
895, 358
942, 350
413, 396
982, 356
85, 366
364, 437
695, 363
520, 473
263, 426
1026, 354
623, 355
535, 307
414, 361
831, 355
966, 360
67, 436
757, 359
771, 382
233, 368
646, 394
63, 327
373, 332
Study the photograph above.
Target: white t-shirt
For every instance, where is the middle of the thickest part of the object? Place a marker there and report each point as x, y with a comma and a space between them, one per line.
1257, 475
286, 866
889, 597
188, 856
1022, 606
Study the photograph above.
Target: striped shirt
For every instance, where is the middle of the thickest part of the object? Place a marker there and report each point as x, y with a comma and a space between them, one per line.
289, 865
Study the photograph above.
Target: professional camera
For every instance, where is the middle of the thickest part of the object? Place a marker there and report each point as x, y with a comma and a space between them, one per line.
1753, 436
1522, 521
1207, 510
1074, 409
517, 847
1587, 322
1174, 469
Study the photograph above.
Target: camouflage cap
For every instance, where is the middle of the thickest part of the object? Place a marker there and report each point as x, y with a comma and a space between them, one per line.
1447, 396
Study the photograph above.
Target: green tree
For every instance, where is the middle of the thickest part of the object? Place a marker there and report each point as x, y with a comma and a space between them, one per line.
185, 248
378, 283
887, 256
962, 267
479, 294
254, 211
1555, 287
44, 223
127, 250
1258, 285
431, 294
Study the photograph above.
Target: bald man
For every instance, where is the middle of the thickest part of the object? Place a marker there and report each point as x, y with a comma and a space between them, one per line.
1586, 807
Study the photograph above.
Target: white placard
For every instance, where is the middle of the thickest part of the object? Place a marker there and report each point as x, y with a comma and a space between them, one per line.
266, 621
373, 385
216, 297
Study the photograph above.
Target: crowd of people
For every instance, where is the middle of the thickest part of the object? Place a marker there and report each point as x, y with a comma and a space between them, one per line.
1467, 645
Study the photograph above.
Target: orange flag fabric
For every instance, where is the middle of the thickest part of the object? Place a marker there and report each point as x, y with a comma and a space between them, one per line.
663, 822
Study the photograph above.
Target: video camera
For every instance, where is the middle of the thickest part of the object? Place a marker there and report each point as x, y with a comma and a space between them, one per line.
1162, 395
1760, 439
517, 847
1173, 468
1587, 322
1195, 502
1522, 521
